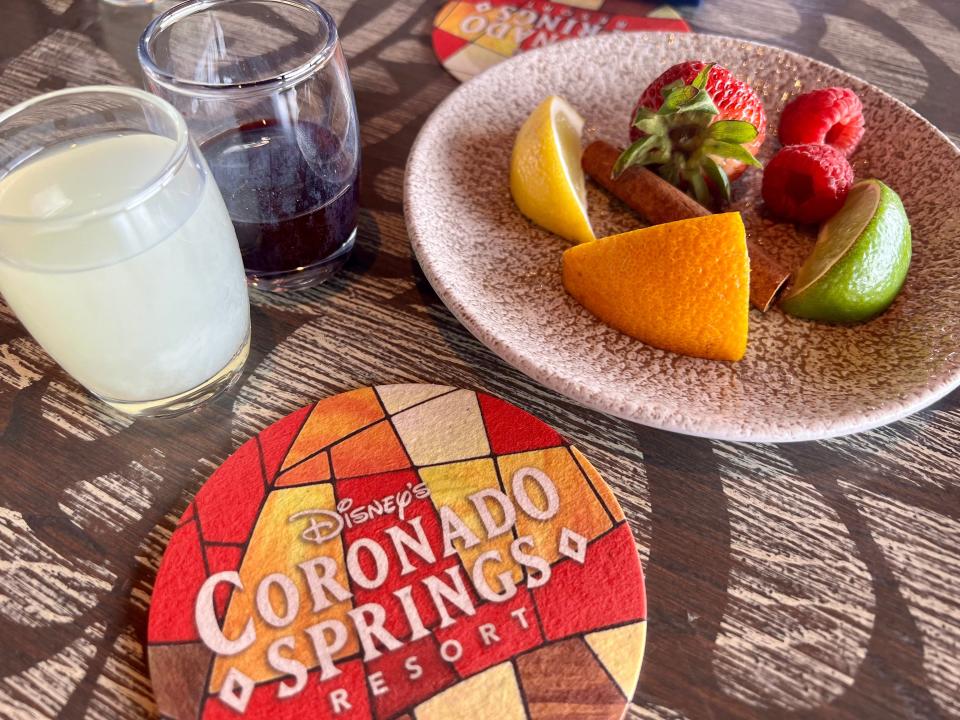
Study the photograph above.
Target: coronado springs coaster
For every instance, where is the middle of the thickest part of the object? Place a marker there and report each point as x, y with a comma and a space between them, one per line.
407, 551
469, 37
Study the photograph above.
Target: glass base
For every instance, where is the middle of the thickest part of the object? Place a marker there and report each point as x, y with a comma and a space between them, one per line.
303, 277
186, 401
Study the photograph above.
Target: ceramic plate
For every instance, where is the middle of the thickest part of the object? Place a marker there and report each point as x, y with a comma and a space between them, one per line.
500, 274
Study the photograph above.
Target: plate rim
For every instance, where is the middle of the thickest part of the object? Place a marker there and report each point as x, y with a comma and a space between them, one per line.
575, 390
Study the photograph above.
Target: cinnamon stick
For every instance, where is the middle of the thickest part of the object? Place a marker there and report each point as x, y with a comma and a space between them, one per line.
659, 202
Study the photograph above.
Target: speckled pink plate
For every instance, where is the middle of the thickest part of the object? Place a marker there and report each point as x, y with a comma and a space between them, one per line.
500, 274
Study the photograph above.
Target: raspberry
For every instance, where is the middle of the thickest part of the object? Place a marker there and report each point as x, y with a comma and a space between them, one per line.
833, 116
806, 183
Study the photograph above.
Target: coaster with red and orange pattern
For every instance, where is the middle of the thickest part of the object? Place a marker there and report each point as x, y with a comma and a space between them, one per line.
471, 36
405, 551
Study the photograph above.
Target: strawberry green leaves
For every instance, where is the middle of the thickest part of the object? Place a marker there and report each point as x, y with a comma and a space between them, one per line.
688, 142
700, 81
718, 177
649, 122
722, 149
648, 150
687, 99
700, 190
735, 131
724, 138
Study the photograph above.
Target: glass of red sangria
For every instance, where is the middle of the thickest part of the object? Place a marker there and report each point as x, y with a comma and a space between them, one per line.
264, 88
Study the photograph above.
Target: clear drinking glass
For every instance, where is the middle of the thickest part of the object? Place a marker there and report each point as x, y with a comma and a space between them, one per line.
264, 87
116, 250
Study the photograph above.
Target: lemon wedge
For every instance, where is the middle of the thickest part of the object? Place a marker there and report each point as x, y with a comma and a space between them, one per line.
546, 179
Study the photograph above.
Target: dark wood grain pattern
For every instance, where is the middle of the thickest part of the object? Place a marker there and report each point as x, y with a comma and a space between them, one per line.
815, 580
564, 681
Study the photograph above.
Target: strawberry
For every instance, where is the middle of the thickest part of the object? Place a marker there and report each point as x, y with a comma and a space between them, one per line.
833, 116
806, 183
700, 124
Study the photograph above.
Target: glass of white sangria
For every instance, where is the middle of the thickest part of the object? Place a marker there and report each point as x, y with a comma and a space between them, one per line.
116, 250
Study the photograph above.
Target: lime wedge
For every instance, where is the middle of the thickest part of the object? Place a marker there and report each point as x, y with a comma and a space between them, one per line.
859, 262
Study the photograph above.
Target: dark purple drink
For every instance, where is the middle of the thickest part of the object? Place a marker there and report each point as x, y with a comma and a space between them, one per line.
292, 193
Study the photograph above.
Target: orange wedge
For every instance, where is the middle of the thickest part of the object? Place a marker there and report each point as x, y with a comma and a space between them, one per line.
682, 286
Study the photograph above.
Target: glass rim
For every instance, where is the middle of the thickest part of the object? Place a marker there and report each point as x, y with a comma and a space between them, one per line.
281, 80
150, 188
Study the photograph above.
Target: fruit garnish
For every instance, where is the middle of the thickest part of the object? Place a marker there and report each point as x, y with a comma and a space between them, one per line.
832, 116
681, 286
700, 125
860, 261
546, 179
806, 183
657, 201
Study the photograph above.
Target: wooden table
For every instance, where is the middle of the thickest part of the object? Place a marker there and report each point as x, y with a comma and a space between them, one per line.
796, 581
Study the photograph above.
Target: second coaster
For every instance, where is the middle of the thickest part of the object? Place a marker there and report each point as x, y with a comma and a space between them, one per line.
469, 37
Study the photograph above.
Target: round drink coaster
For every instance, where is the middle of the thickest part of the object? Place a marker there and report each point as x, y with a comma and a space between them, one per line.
404, 551
469, 37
